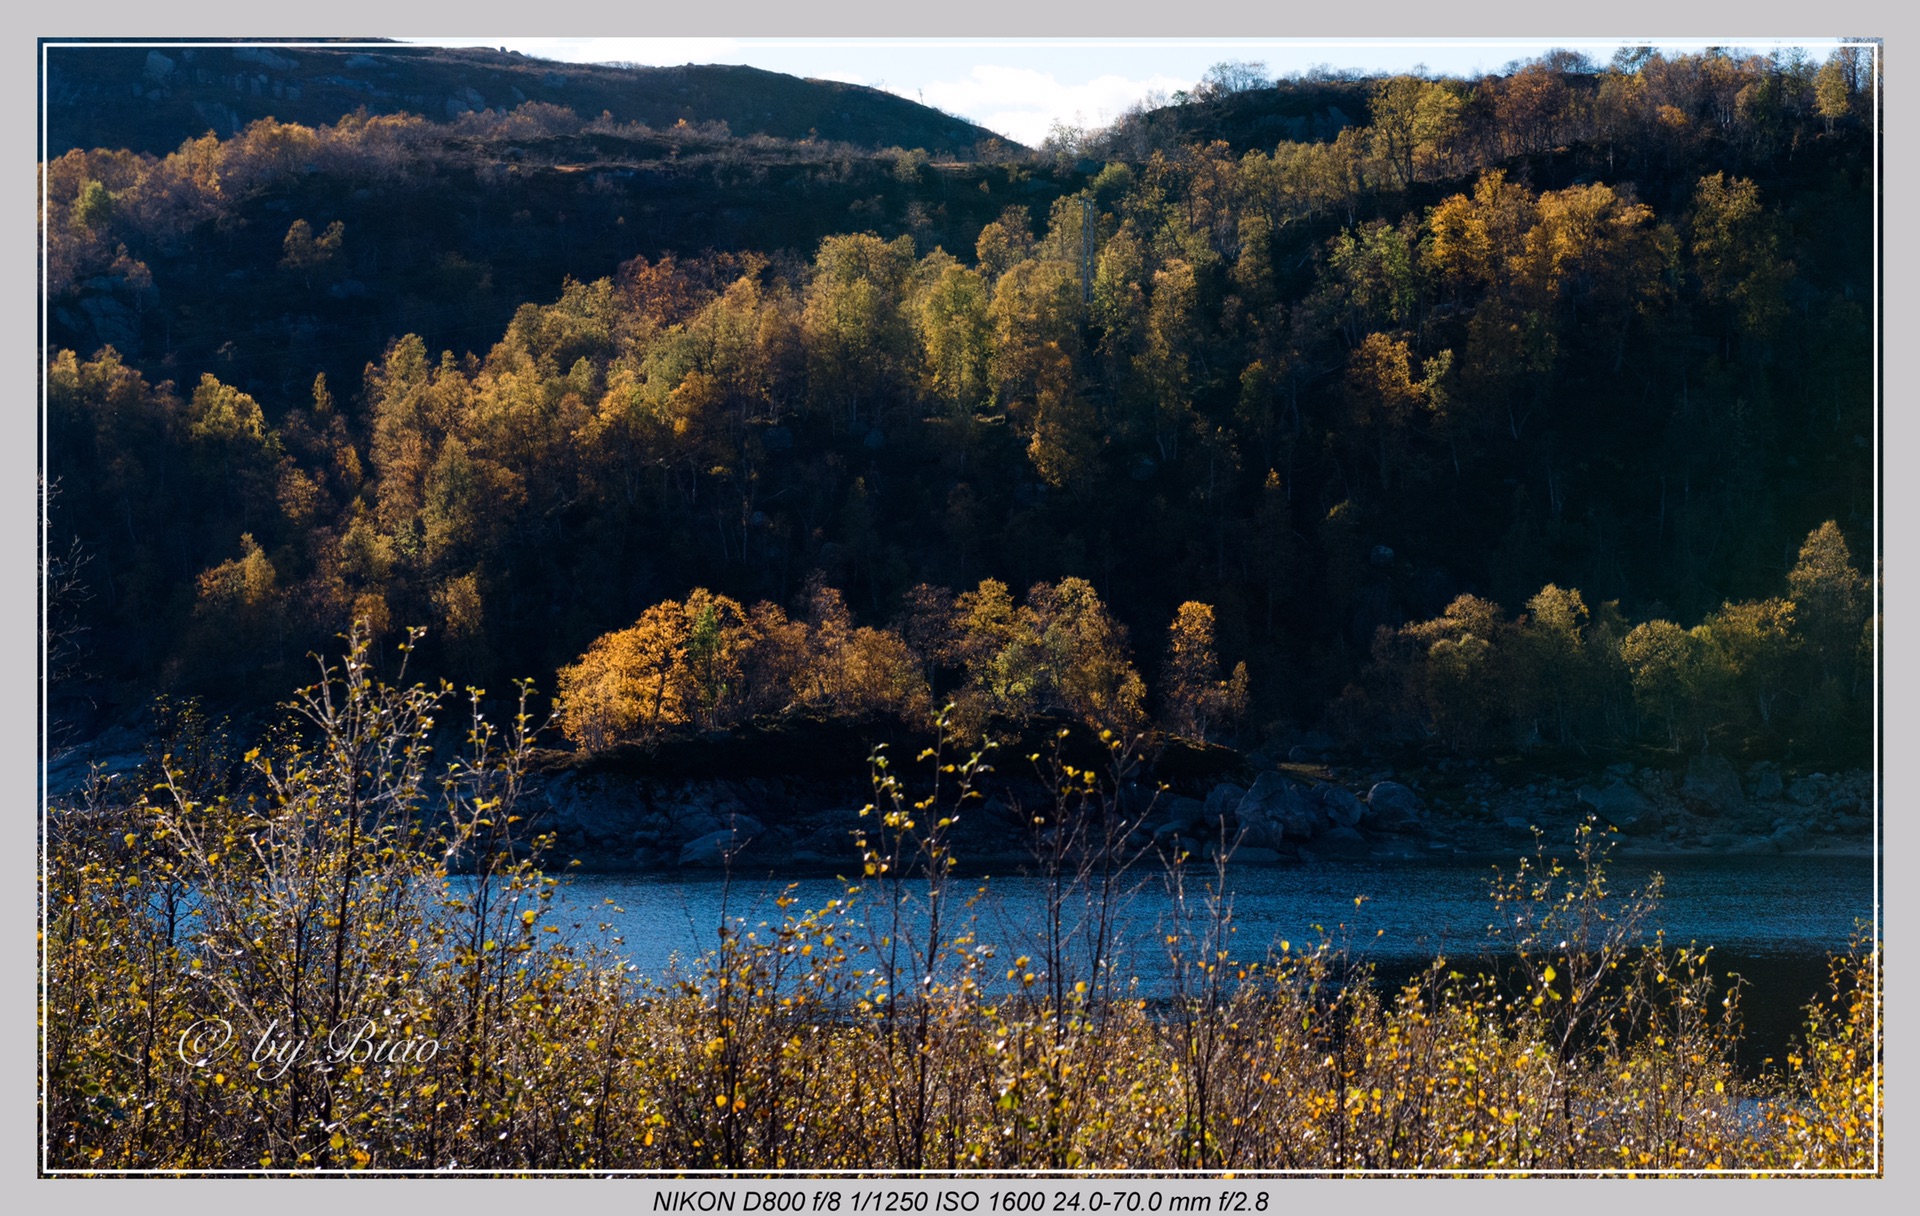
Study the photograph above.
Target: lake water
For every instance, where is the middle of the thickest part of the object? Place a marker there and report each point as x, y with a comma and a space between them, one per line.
1746, 905
1772, 919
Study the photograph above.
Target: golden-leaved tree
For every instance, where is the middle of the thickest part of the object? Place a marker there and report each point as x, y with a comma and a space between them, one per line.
1194, 699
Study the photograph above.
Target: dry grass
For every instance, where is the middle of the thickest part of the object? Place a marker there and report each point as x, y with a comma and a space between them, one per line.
876, 1033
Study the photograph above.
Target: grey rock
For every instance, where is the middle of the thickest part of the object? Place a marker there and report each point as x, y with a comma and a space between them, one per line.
1137, 799
158, 67
1712, 785
1264, 834
1645, 823
266, 58
1223, 800
1791, 838
1341, 843
1391, 806
114, 322
1622, 806
1301, 814
1809, 789
689, 822
1764, 781
1178, 845
1262, 801
1186, 812
1343, 810
712, 850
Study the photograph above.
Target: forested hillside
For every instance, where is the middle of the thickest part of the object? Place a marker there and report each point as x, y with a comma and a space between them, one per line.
1527, 412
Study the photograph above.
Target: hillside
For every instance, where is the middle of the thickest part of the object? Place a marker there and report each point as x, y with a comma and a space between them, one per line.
149, 100
1524, 413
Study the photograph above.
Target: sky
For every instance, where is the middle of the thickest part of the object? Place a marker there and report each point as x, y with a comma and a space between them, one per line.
1021, 87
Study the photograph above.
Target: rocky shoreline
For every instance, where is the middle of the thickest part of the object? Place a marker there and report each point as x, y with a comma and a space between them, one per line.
622, 814
1285, 815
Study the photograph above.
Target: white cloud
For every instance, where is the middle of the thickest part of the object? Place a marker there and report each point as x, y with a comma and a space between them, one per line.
1024, 103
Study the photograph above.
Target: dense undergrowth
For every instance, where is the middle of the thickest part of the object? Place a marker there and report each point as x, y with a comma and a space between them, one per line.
358, 889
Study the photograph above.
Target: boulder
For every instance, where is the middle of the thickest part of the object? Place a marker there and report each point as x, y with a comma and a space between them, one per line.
1646, 823
1391, 806
1302, 817
266, 59
1712, 786
744, 825
1243, 852
1341, 843
1186, 812
1136, 799
1260, 807
1177, 845
1763, 781
713, 850
1622, 806
1790, 838
1343, 810
1222, 801
692, 821
1810, 789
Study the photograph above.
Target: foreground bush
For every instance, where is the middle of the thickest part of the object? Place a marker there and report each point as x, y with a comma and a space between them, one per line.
351, 891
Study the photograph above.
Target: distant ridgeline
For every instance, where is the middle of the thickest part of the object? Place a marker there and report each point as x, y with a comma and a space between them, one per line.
728, 406
148, 100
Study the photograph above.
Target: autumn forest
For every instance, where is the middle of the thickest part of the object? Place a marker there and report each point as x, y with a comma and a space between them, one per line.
1377, 477
1527, 412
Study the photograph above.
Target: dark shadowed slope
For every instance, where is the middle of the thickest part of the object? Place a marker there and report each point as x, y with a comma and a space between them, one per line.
150, 100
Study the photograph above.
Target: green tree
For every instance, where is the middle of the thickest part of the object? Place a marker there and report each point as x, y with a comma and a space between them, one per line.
1756, 641
859, 337
1833, 87
956, 335
1736, 252
1554, 658
1829, 597
1669, 669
